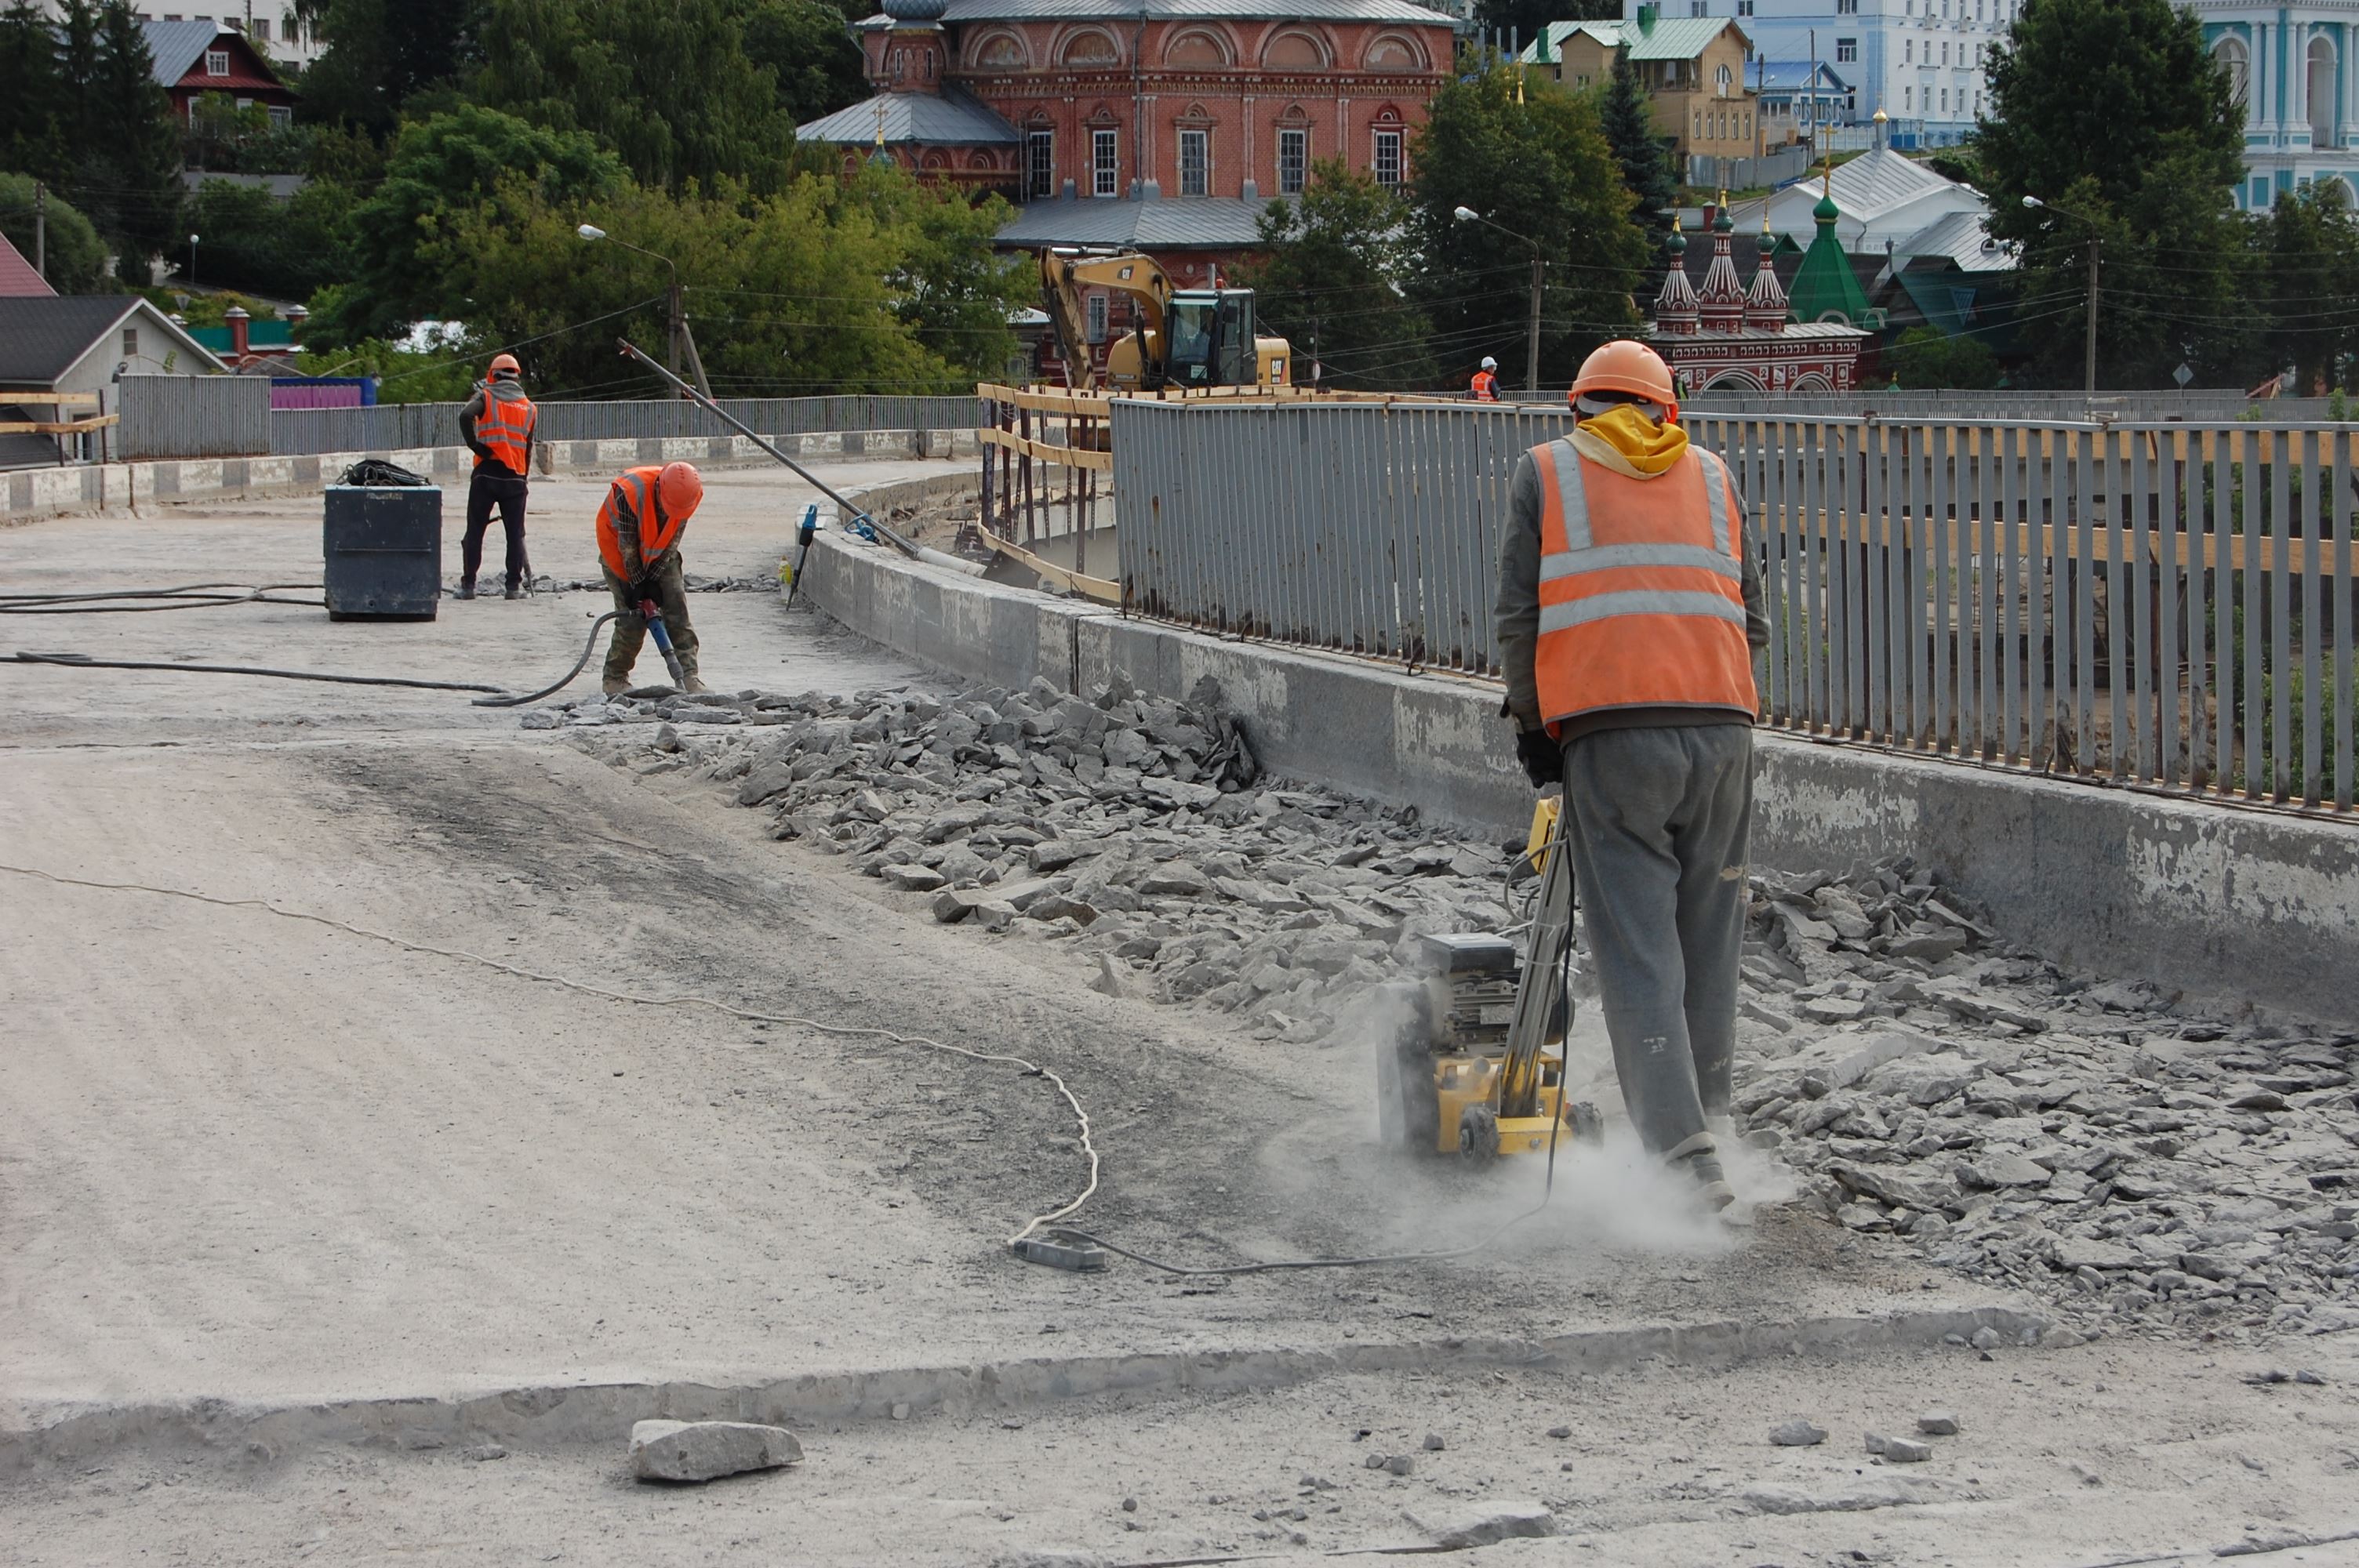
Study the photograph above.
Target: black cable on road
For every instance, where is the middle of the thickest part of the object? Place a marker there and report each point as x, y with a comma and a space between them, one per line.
189, 596
84, 662
588, 647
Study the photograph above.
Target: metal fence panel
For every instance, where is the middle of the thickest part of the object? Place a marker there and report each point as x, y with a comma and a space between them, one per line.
2167, 603
193, 417
400, 427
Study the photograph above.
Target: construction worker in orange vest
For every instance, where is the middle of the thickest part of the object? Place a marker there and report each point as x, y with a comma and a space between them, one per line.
639, 524
1629, 608
1485, 388
497, 424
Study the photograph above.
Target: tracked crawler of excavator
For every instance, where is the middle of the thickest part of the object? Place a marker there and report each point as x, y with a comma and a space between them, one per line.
1476, 1067
1187, 340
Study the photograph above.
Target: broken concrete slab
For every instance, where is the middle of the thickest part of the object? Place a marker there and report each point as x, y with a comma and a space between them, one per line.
1486, 1523
707, 1450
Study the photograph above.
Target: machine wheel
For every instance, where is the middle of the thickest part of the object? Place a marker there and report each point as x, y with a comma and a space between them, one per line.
1588, 1124
1478, 1132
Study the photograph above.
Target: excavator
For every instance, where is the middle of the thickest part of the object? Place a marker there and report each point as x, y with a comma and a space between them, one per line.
1468, 1070
1187, 338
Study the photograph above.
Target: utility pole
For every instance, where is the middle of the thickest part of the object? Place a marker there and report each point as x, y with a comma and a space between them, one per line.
1532, 349
678, 330
41, 230
2096, 245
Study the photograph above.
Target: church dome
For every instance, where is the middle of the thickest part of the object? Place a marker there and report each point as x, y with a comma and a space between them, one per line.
916, 10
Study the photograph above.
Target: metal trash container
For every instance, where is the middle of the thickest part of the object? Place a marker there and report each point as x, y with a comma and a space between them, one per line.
384, 550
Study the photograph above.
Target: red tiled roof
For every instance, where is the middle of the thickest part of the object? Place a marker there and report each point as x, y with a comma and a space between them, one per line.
18, 278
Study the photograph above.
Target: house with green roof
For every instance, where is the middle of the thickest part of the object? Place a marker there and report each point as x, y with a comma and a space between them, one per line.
1692, 69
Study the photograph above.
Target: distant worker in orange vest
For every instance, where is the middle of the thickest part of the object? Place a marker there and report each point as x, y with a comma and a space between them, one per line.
497, 424
640, 525
1486, 381
1629, 608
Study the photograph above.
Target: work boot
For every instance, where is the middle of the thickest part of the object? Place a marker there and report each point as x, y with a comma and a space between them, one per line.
695, 685
515, 592
1700, 1158
466, 587
612, 686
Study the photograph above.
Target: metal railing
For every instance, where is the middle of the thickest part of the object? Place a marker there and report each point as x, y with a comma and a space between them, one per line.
193, 416
2165, 604
399, 426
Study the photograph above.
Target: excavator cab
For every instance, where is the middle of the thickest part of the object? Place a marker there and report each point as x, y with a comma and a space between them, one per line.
1210, 343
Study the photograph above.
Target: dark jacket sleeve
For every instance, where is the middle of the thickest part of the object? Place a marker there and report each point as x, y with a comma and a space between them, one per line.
626, 535
1756, 609
1516, 617
467, 417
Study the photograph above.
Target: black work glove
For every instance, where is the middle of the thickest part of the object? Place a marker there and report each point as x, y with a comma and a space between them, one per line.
1543, 762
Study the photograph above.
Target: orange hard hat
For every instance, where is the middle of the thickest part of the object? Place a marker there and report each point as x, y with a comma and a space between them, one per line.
1627, 365
679, 491
506, 362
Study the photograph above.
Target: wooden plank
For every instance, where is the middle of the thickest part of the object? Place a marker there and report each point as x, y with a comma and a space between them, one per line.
1103, 590
55, 427
52, 399
1047, 452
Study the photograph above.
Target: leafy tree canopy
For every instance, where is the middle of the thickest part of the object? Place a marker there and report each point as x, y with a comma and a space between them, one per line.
1624, 114
77, 257
1542, 171
1330, 278
1926, 357
383, 53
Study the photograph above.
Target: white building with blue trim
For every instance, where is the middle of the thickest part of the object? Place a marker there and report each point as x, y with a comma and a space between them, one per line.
2291, 67
1921, 61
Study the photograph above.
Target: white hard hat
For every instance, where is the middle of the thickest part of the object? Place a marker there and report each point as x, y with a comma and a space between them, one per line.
1490, 363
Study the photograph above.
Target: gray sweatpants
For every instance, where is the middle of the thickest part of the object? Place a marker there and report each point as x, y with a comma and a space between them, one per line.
1661, 820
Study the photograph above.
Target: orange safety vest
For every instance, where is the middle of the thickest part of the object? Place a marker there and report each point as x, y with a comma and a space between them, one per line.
636, 493
1485, 388
507, 424
1642, 587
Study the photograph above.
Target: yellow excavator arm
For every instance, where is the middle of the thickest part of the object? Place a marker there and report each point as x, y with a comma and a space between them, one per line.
1063, 275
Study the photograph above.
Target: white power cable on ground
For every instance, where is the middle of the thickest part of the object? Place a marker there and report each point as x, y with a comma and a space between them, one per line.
855, 1031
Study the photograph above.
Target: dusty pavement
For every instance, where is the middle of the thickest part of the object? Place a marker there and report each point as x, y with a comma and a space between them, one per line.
254, 1166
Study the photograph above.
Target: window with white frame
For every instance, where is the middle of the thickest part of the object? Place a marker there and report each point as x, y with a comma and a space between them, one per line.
1846, 7
1105, 164
1945, 54
130, 342
1908, 99
1698, 7
1846, 50
262, 28
1388, 158
1744, 8
281, 116
1723, 79
1908, 51
1195, 163
217, 62
1040, 165
1293, 162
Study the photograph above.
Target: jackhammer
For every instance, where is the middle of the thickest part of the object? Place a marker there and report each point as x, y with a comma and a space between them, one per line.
654, 618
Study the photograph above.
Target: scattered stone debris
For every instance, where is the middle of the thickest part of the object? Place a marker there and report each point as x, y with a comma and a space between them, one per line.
1937, 1423
2145, 1162
707, 1450
1899, 1450
1798, 1432
1487, 1524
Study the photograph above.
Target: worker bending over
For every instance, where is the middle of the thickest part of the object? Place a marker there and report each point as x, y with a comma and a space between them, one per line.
1629, 606
639, 526
497, 424
1485, 388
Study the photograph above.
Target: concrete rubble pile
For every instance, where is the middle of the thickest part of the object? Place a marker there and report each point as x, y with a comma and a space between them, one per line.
2152, 1163
1136, 828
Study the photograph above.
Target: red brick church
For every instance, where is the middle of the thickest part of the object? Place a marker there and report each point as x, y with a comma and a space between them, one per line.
1166, 124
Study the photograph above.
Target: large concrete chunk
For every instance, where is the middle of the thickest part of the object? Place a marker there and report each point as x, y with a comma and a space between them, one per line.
706, 1450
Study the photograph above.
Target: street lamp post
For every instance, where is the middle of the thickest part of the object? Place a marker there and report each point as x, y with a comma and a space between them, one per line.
192, 261
2097, 248
679, 335
1539, 276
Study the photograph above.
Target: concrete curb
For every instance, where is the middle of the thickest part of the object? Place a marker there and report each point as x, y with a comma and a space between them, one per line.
551, 1415
30, 494
2254, 906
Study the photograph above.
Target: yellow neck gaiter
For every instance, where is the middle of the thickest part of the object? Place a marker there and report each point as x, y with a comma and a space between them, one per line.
1626, 441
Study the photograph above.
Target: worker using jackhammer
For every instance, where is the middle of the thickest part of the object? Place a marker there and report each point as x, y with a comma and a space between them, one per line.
497, 423
639, 526
1629, 607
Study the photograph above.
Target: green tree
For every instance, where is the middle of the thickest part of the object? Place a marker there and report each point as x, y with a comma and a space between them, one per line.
1645, 157
2309, 275
668, 84
127, 169
2113, 114
950, 289
478, 164
76, 254
383, 53
1926, 357
1543, 170
1522, 20
33, 110
806, 45
288, 248
1330, 277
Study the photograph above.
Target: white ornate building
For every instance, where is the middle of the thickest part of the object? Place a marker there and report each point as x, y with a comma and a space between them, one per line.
2292, 67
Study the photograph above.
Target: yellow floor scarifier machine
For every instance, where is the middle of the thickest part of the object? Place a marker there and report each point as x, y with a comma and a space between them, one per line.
1471, 1070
